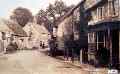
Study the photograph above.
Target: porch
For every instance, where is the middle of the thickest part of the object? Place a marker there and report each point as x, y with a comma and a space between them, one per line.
104, 44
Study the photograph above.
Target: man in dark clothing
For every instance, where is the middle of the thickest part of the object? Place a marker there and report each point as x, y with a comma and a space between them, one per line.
53, 46
77, 49
69, 50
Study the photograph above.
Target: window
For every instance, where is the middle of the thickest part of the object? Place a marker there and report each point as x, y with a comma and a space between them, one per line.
113, 7
91, 38
116, 7
105, 11
100, 39
100, 13
100, 36
94, 15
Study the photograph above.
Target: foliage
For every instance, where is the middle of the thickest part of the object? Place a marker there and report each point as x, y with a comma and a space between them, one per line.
52, 14
22, 16
41, 16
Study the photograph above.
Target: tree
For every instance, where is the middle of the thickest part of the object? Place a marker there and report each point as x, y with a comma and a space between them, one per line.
56, 11
53, 13
60, 7
42, 18
41, 15
22, 16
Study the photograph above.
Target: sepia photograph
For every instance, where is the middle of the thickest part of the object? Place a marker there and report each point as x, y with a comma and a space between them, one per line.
59, 36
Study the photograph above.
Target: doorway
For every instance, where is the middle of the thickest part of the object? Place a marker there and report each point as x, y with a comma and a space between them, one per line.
115, 48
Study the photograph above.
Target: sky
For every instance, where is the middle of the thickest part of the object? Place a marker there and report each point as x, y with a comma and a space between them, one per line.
7, 6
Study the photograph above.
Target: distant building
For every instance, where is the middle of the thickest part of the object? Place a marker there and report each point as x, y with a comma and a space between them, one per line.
36, 34
10, 31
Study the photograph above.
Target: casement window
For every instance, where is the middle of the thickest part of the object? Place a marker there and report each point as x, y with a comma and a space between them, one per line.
116, 7
100, 39
113, 7
105, 11
92, 40
100, 13
91, 37
110, 7
94, 15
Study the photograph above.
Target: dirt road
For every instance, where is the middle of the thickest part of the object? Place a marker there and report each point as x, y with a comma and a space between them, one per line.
34, 62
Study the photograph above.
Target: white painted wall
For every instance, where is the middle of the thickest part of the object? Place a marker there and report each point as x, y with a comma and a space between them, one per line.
64, 31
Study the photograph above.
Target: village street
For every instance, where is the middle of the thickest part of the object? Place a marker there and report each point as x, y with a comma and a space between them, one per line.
34, 62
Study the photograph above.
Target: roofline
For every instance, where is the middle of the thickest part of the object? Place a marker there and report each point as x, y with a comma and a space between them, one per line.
96, 5
19, 35
70, 12
104, 26
15, 34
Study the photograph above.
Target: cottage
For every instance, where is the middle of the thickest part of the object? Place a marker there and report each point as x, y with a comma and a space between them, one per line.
103, 31
72, 27
36, 34
10, 31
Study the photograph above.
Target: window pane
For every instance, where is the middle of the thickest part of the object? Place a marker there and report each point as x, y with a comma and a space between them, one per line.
100, 36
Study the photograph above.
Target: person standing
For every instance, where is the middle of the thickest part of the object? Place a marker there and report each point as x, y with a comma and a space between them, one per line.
52, 46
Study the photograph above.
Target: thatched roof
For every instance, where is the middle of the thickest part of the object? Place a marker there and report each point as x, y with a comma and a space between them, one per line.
36, 28
36, 33
4, 27
11, 26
